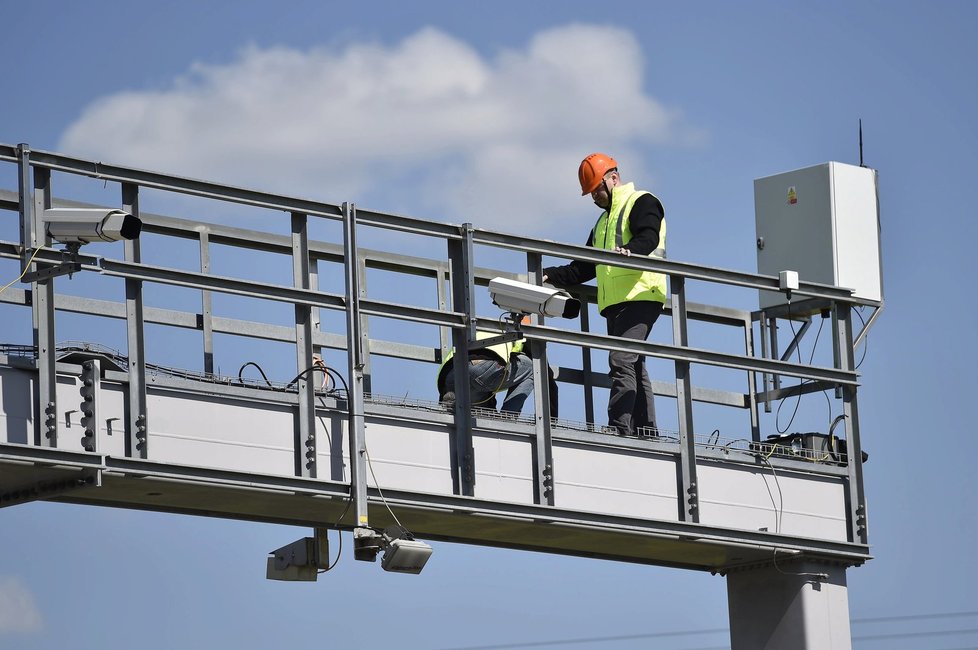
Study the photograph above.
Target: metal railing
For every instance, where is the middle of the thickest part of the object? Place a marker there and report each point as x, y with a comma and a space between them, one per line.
454, 277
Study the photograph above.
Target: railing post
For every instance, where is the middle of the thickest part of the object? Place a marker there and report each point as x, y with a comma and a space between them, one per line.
361, 268
355, 401
460, 254
765, 354
586, 367
755, 424
856, 496
305, 425
42, 293
543, 455
206, 307
137, 441
689, 497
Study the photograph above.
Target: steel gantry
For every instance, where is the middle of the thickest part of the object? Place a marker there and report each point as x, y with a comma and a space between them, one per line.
330, 451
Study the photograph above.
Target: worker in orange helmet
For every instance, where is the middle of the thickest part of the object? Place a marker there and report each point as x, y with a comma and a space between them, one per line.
632, 223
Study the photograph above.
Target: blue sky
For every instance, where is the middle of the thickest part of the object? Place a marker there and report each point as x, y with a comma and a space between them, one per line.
480, 112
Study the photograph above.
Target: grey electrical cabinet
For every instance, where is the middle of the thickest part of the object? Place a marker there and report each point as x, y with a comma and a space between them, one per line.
823, 223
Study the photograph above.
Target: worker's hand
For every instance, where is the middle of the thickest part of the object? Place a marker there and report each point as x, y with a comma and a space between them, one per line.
624, 251
544, 279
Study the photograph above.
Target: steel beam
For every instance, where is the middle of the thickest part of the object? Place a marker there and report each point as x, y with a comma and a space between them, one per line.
137, 429
206, 303
42, 291
856, 495
355, 401
460, 255
543, 455
305, 426
689, 500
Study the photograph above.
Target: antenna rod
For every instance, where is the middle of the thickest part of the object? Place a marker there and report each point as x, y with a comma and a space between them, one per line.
861, 143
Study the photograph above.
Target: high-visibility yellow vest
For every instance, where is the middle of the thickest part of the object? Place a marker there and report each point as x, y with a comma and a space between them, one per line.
500, 350
617, 284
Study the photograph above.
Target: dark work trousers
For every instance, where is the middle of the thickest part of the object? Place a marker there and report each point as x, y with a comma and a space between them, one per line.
630, 404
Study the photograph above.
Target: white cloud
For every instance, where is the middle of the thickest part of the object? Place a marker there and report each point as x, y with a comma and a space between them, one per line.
427, 125
17, 610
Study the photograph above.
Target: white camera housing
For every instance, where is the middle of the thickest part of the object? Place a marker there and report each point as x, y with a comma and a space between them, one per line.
84, 225
525, 298
405, 556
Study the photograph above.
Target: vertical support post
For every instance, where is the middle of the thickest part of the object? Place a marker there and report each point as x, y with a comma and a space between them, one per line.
586, 366
789, 605
206, 310
28, 239
315, 313
460, 254
358, 461
755, 423
855, 496
773, 329
364, 328
765, 354
42, 292
305, 424
689, 504
137, 443
840, 349
443, 279
543, 454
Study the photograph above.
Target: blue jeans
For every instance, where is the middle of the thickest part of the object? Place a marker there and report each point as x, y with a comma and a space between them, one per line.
487, 377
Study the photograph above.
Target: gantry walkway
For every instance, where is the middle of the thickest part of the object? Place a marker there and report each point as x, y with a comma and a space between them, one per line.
83, 423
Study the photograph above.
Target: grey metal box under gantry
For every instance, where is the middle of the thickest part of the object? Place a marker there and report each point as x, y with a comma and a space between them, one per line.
822, 222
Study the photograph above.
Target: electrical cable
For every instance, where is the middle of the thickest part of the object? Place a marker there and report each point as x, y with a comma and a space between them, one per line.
713, 440
622, 637
377, 483
777, 511
369, 465
252, 363
907, 635
680, 633
885, 619
339, 534
328, 373
814, 576
22, 273
801, 384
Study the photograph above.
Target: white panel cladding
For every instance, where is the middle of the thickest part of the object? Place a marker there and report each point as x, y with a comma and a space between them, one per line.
410, 455
503, 467
16, 406
755, 498
220, 433
332, 446
615, 481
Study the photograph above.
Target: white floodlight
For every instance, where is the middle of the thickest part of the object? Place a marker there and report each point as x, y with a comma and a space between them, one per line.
405, 556
83, 225
524, 298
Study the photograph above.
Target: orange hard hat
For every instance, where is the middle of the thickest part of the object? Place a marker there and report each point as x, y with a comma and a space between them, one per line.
592, 170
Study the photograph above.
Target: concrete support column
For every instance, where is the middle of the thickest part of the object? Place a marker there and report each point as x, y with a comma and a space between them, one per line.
790, 605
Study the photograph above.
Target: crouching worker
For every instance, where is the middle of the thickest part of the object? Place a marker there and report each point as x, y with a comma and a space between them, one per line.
493, 369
